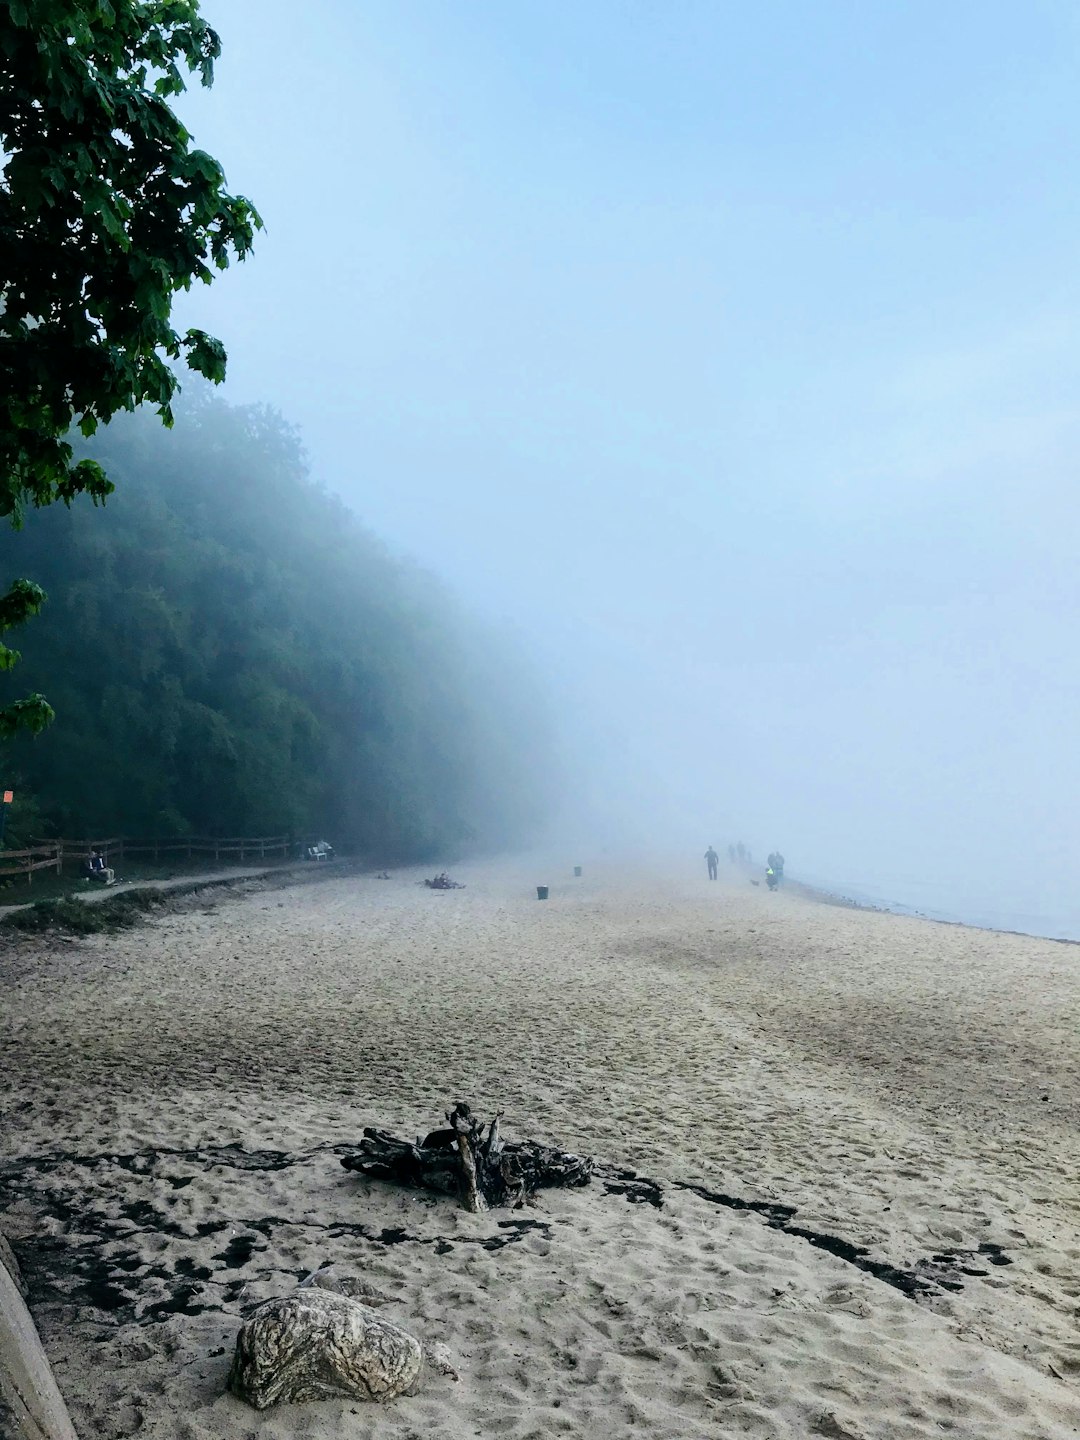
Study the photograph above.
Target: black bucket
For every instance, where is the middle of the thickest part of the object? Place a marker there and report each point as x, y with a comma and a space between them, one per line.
577, 872
541, 892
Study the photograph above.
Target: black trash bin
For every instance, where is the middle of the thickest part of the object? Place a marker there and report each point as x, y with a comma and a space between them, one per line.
541, 892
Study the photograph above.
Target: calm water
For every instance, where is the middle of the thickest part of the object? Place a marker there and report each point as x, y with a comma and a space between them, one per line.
938, 901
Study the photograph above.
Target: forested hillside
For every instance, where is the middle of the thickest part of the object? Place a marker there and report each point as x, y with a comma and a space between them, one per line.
229, 651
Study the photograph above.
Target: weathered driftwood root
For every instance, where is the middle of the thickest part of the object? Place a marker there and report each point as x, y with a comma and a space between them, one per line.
468, 1160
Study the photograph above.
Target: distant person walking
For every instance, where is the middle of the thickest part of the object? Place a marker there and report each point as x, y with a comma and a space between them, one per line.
740, 850
776, 864
712, 859
731, 853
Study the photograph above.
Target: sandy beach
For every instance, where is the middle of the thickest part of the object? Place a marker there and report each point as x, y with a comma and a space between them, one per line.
862, 1130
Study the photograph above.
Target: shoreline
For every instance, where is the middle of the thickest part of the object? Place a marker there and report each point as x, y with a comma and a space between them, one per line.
826, 896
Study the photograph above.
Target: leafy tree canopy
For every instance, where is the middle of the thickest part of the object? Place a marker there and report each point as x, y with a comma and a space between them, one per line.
106, 212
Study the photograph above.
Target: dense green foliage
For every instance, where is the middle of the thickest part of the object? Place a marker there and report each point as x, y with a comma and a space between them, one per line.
106, 211
231, 653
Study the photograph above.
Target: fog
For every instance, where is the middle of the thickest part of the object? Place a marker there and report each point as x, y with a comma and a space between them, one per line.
728, 352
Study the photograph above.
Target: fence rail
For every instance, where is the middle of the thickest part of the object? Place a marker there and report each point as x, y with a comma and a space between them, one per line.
115, 849
38, 857
242, 847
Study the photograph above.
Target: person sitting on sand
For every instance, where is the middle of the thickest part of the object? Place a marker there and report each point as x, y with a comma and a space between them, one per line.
711, 859
96, 869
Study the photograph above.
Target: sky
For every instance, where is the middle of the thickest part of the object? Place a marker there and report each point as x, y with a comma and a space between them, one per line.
729, 353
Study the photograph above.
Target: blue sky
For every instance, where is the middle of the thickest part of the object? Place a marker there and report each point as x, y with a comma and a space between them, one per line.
729, 352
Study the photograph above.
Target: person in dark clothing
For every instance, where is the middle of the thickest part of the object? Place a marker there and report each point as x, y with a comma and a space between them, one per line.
94, 868
712, 860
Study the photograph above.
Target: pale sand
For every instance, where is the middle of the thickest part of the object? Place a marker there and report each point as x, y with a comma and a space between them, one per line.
884, 1075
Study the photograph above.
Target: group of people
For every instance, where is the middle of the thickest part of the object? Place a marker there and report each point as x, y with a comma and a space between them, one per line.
740, 854
95, 868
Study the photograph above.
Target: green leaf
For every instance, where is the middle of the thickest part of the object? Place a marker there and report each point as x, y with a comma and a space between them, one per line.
22, 600
31, 714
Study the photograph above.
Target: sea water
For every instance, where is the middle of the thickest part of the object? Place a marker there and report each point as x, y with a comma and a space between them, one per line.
938, 900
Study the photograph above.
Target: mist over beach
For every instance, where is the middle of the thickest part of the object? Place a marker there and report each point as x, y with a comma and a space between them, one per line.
538, 712
732, 360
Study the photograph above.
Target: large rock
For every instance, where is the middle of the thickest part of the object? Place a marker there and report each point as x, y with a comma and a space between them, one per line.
316, 1345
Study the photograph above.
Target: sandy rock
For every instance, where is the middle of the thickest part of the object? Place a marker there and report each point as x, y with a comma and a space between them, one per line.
315, 1345
438, 1357
327, 1278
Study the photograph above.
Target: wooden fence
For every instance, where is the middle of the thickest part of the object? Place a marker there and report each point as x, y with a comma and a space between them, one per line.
115, 849
46, 856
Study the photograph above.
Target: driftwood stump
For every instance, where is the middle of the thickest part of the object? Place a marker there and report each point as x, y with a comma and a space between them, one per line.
466, 1160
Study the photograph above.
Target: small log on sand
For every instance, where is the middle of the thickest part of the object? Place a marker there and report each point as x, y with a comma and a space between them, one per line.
468, 1160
